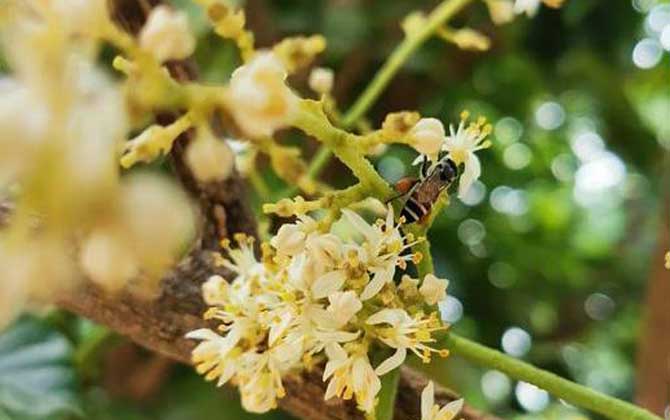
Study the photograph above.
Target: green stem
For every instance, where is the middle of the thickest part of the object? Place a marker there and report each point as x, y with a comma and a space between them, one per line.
436, 19
400, 55
387, 395
313, 121
571, 392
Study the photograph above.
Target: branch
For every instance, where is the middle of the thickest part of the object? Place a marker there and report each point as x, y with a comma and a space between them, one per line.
160, 325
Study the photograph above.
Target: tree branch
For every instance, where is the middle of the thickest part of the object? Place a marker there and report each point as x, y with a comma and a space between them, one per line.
160, 324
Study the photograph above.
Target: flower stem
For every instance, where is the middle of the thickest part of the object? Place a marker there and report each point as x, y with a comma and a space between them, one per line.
400, 55
571, 392
436, 19
312, 120
387, 395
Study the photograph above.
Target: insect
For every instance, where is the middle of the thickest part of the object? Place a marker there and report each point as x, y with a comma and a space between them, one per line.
422, 193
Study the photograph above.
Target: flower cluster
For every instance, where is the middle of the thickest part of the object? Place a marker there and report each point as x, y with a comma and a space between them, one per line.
75, 216
428, 137
316, 295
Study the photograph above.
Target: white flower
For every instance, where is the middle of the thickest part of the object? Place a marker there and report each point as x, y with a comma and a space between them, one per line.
259, 99
433, 289
431, 411
403, 333
321, 80
166, 35
462, 143
215, 291
243, 260
343, 306
291, 237
351, 376
209, 159
427, 137
214, 357
381, 250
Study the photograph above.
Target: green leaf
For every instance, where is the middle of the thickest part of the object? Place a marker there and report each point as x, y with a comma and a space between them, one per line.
37, 380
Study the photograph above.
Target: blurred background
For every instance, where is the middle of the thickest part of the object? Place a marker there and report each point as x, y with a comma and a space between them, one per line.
555, 256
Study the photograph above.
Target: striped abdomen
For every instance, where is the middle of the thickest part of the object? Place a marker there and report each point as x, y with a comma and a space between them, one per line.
413, 211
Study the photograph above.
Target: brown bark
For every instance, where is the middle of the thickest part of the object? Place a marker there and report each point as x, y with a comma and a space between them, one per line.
160, 325
653, 356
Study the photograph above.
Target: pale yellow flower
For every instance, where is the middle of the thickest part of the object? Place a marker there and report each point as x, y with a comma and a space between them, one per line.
343, 306
427, 137
166, 34
215, 356
321, 80
351, 376
403, 333
382, 250
259, 99
208, 158
431, 411
433, 289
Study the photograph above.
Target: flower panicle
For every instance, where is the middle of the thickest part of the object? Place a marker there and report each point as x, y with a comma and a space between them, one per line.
315, 294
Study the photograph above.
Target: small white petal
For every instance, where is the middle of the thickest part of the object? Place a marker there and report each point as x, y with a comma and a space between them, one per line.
471, 173
427, 400
392, 362
328, 283
450, 411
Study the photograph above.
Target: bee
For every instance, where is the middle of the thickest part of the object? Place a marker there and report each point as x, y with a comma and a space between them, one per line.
422, 193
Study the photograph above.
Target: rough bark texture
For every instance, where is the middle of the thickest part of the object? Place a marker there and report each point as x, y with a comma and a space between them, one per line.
653, 356
160, 324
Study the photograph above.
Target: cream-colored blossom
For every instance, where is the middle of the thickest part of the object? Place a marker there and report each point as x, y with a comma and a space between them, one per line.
382, 250
404, 333
462, 143
242, 260
259, 99
351, 376
215, 290
321, 80
431, 411
166, 34
343, 306
208, 158
427, 137
215, 356
433, 289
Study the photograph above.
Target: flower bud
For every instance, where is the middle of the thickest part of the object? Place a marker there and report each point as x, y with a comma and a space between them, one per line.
321, 80
259, 99
166, 35
208, 158
433, 289
427, 136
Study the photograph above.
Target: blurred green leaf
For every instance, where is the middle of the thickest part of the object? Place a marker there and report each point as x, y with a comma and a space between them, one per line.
37, 380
